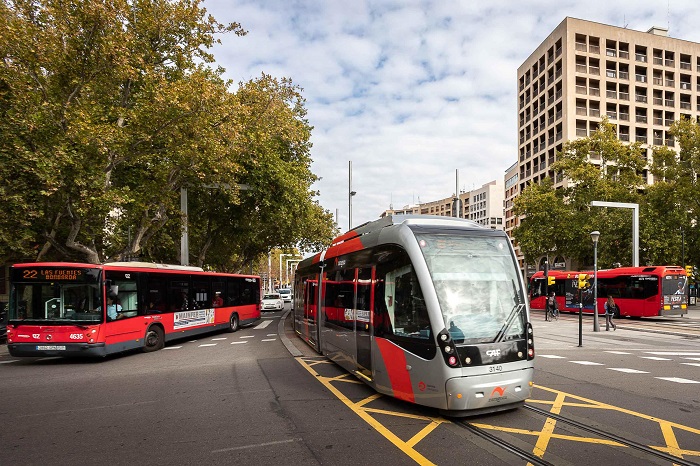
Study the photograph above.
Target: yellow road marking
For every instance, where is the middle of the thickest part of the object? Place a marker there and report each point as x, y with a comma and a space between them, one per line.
544, 436
357, 408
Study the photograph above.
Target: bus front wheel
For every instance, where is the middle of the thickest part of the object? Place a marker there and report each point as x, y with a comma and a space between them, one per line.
233, 323
155, 339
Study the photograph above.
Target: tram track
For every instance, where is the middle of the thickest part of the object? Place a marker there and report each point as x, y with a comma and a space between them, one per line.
510, 447
532, 458
610, 436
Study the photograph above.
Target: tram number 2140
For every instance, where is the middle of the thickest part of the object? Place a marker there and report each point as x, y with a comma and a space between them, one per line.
497, 368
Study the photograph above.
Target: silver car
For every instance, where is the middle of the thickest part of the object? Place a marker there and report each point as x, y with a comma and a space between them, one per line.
286, 294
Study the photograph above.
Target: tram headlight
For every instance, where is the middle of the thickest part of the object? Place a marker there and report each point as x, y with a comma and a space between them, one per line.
443, 337
452, 361
448, 349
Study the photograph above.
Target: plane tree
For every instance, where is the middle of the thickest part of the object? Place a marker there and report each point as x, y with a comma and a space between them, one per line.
598, 167
108, 109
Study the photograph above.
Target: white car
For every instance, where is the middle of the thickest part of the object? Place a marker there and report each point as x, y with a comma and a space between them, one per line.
272, 302
286, 294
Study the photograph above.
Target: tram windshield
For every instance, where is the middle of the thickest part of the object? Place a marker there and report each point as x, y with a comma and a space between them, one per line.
477, 286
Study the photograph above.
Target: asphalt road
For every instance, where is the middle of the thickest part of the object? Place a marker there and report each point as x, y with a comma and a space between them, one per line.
243, 398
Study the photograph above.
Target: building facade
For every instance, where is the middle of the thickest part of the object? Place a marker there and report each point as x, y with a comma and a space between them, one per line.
483, 205
585, 71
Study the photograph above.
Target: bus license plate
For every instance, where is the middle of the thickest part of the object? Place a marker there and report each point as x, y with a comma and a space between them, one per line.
50, 348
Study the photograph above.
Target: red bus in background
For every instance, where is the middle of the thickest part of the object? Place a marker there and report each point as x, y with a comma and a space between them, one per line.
69, 309
649, 291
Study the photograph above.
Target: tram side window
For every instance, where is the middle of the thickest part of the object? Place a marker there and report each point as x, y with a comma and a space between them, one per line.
340, 295
400, 309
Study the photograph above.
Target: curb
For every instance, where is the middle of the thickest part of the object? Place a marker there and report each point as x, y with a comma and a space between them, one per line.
283, 336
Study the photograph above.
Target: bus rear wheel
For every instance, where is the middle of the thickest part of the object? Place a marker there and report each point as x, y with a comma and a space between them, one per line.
233, 323
155, 339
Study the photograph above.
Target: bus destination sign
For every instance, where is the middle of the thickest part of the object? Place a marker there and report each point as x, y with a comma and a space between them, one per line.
51, 274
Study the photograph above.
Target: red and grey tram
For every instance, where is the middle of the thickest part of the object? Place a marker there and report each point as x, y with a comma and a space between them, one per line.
430, 310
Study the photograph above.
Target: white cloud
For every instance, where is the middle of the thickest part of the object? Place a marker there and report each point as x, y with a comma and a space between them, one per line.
411, 90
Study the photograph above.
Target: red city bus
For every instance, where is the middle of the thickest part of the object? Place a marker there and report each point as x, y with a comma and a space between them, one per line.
649, 291
70, 309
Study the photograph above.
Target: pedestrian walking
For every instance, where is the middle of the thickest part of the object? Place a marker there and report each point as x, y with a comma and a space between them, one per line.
610, 309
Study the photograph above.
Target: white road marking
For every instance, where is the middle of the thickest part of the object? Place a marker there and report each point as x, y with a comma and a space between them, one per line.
238, 342
218, 339
654, 358
172, 347
618, 352
627, 371
262, 325
671, 353
207, 344
269, 339
550, 356
247, 336
8, 362
693, 359
697, 364
677, 379
587, 363
271, 334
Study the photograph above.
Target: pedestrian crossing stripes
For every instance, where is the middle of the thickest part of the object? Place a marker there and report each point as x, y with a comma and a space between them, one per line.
688, 356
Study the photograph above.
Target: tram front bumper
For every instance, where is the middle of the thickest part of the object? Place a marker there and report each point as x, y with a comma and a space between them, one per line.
489, 392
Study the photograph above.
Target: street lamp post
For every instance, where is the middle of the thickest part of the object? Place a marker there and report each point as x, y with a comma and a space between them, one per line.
594, 236
280, 269
287, 268
351, 193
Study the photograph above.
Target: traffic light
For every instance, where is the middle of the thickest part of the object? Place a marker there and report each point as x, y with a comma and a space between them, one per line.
689, 270
550, 281
583, 281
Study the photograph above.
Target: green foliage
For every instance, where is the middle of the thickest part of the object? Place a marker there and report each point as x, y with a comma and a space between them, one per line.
600, 168
108, 108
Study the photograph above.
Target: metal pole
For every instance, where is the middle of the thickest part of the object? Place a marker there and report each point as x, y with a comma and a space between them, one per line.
457, 194
184, 241
683, 247
596, 326
269, 272
580, 321
350, 194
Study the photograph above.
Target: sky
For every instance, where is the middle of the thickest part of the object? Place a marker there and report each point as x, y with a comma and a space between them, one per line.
411, 91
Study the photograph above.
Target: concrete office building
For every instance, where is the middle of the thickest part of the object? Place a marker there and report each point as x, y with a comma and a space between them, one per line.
583, 71
642, 81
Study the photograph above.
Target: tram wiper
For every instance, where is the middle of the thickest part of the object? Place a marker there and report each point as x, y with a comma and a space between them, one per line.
509, 321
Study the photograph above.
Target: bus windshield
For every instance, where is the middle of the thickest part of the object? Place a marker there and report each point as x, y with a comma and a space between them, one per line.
477, 286
54, 296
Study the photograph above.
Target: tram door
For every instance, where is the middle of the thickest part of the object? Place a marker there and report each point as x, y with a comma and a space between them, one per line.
363, 324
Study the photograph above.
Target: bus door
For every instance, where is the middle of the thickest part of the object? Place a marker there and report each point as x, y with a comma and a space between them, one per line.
363, 318
127, 326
